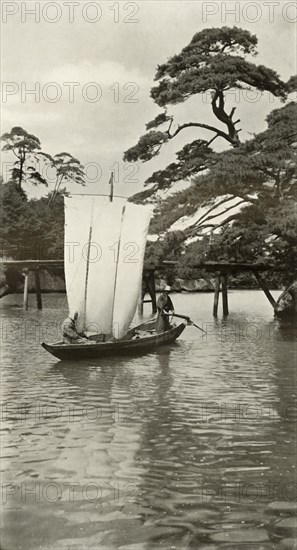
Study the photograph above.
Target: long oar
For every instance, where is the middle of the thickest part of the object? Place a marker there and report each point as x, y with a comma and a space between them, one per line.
190, 322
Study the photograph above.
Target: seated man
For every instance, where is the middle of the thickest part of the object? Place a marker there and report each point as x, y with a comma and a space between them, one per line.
164, 305
70, 334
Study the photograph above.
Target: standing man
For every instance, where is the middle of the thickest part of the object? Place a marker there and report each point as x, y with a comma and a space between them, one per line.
165, 307
70, 334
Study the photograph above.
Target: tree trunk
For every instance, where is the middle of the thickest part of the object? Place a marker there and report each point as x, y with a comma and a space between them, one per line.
286, 305
264, 287
22, 162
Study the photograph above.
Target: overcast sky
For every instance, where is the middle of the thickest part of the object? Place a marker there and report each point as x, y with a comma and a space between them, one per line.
117, 46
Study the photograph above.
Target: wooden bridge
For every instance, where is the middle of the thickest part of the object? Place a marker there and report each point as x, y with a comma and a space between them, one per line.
220, 270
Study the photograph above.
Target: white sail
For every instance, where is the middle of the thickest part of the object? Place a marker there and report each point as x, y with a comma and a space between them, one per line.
77, 227
104, 250
92, 227
106, 229
135, 226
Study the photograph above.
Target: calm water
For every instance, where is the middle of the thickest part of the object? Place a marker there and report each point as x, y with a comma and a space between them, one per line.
190, 447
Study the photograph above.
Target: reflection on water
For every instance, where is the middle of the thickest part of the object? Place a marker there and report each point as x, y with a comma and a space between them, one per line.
190, 447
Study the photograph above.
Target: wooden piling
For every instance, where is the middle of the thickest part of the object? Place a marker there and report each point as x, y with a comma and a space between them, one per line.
216, 295
37, 289
152, 291
225, 294
26, 288
140, 302
148, 286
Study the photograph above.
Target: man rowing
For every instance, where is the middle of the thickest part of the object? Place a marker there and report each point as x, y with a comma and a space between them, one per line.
165, 308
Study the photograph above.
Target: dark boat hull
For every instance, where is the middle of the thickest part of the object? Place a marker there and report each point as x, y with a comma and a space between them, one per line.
123, 347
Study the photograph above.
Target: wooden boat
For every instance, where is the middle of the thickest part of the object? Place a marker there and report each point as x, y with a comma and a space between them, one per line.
141, 339
103, 287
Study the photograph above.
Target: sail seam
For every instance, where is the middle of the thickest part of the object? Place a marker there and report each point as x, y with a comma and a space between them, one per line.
88, 264
117, 265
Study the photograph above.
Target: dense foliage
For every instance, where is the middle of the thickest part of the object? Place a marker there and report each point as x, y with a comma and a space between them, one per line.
30, 229
241, 202
261, 175
215, 62
34, 229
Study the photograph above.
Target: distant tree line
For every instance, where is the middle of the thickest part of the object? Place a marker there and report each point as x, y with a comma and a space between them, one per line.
34, 229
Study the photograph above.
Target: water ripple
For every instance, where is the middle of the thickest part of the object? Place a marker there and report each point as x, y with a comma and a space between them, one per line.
193, 446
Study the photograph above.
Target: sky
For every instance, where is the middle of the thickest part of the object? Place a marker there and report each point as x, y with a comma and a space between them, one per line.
91, 66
